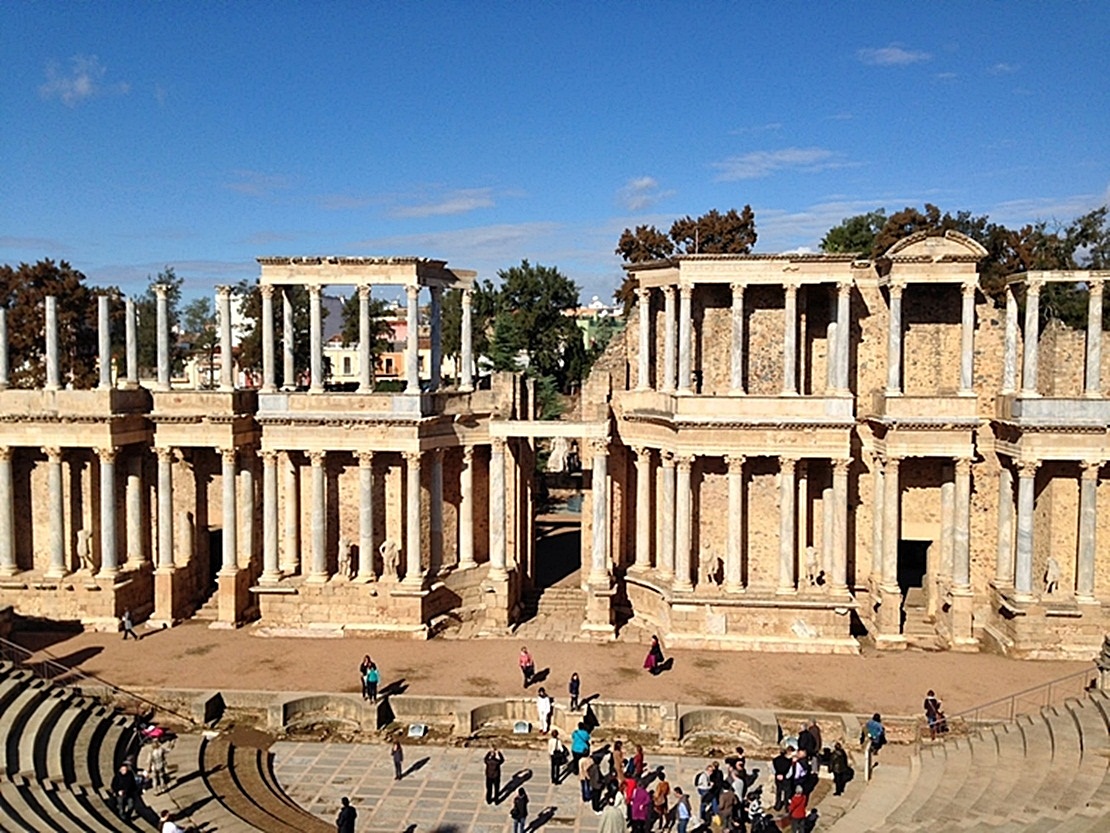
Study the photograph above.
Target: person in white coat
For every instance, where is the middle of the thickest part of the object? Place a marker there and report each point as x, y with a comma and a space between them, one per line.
544, 706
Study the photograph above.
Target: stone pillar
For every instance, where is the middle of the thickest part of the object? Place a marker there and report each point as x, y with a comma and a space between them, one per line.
599, 492
892, 510
288, 337
435, 513
163, 336
838, 578
734, 551
365, 378
7, 514
1023, 566
109, 549
497, 508
947, 519
165, 509
466, 509
665, 528
644, 515
291, 545
366, 551
268, 378
271, 565
227, 361
319, 516
801, 516
104, 343
669, 320
1088, 532
1004, 563
53, 376
316, 340
136, 551
894, 341
878, 501
3, 349
683, 527
414, 572
961, 529
466, 339
787, 537
412, 345
827, 520
131, 345
736, 354
1092, 377
55, 501
436, 357
1032, 337
967, 341
246, 508
685, 338
790, 340
843, 336
643, 364
229, 549
1009, 354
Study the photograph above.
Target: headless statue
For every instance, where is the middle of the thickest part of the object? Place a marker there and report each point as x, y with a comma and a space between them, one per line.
344, 558
390, 556
84, 550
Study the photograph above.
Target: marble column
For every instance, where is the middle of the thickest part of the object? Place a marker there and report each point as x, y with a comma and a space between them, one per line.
131, 345
246, 507
1004, 563
365, 377
683, 527
787, 538
318, 515
109, 549
599, 492
466, 339
685, 338
412, 340
790, 339
7, 514
497, 508
366, 551
271, 565
643, 358
3, 349
838, 578
894, 340
55, 501
892, 527
843, 336
315, 340
227, 360
1092, 377
268, 379
161, 291
229, 540
1009, 353
53, 376
734, 550
967, 341
878, 501
669, 319
644, 515
134, 545
736, 354
435, 358
165, 509
961, 529
104, 343
288, 337
1023, 561
827, 520
801, 516
947, 519
466, 509
414, 571
665, 528
1088, 531
291, 525
1032, 337
435, 513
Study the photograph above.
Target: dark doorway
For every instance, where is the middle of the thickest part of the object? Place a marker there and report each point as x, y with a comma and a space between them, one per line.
558, 549
912, 564
215, 554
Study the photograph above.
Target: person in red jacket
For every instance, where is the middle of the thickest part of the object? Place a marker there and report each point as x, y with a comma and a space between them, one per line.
796, 811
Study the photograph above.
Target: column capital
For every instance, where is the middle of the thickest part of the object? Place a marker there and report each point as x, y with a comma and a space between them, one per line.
5, 452
165, 453
668, 291
640, 450
890, 460
844, 287
53, 453
790, 288
270, 456
497, 444
363, 291
267, 290
735, 463
969, 288
365, 458
1094, 287
436, 454
896, 286
686, 290
412, 292
1033, 286
1027, 468
598, 445
229, 455
1090, 468
412, 457
667, 458
737, 289
787, 465
963, 466
468, 455
841, 465
161, 290
467, 295
314, 290
107, 455
223, 290
684, 461
643, 293
317, 458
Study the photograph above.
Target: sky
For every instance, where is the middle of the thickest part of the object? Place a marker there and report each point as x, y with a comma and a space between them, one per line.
200, 135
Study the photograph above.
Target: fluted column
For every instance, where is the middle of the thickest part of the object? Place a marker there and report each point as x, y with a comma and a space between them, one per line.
55, 501
271, 565
414, 573
787, 536
599, 491
229, 540
644, 515
131, 345
365, 378
412, 344
3, 349
246, 512
53, 375
1032, 338
1009, 353
466, 339
967, 341
669, 320
109, 549
790, 340
436, 353
667, 518
1088, 531
288, 337
136, 551
734, 549
1004, 563
878, 502
227, 361
838, 579
1092, 377
268, 379
685, 338
318, 515
165, 509
366, 570
161, 291
7, 514
843, 334
315, 339
435, 513
961, 530
497, 508
683, 527
1023, 566
466, 509
736, 354
104, 343
892, 526
643, 363
947, 519
894, 341
291, 525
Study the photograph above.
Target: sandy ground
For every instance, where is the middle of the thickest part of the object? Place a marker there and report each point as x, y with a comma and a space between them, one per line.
194, 656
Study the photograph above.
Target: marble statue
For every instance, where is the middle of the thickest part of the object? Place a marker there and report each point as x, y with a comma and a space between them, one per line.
1051, 576
390, 557
557, 462
84, 550
344, 556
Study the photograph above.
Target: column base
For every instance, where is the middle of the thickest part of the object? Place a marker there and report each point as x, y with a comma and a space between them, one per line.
467, 565
317, 578
364, 578
466, 388
683, 587
233, 598
270, 578
54, 574
960, 614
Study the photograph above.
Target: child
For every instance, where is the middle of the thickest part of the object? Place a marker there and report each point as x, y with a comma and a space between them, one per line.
575, 688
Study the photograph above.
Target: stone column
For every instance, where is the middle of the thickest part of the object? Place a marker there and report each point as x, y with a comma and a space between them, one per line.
685, 338
644, 515
892, 510
109, 550
271, 564
790, 340
961, 530
365, 378
316, 340
55, 501
131, 345
466, 509
246, 508
1088, 532
436, 358
669, 320
227, 361
683, 527
947, 519
3, 349
665, 529
599, 492
1004, 563
1092, 377
7, 514
734, 551
414, 572
736, 354
53, 377
643, 363
497, 508
288, 336
435, 513
878, 501
366, 552
229, 540
843, 336
104, 343
828, 510
163, 318
412, 345
787, 537
319, 516
967, 341
466, 339
1009, 354
801, 515
291, 544
165, 509
1032, 336
1023, 567
268, 378
136, 552
894, 341
838, 579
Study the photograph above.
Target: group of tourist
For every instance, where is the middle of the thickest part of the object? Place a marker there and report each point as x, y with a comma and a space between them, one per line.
369, 677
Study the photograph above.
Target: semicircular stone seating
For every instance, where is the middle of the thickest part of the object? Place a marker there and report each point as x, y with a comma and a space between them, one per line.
1043, 773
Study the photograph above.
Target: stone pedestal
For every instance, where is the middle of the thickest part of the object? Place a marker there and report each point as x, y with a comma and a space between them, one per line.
598, 621
888, 619
170, 598
233, 596
960, 612
498, 599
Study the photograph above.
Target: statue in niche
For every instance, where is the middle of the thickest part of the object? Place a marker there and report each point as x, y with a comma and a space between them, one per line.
712, 571
814, 574
344, 557
557, 462
1051, 576
390, 555
84, 550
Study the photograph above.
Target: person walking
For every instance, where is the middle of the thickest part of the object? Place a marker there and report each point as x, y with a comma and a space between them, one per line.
527, 666
493, 761
398, 755
582, 765
519, 811
681, 810
660, 798
574, 687
345, 821
640, 810
373, 677
797, 810
557, 752
128, 626
124, 791
157, 767
544, 706
169, 825
597, 783
840, 768
874, 733
579, 744
363, 667
934, 715
781, 765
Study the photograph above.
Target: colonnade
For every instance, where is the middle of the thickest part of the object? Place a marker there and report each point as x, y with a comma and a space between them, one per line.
895, 330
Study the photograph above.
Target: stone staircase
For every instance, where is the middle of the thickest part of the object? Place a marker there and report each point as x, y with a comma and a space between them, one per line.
552, 613
1048, 771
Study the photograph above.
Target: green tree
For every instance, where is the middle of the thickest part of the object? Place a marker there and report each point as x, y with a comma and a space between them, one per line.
645, 244
855, 234
146, 329
198, 321
250, 342
483, 298
715, 233
381, 327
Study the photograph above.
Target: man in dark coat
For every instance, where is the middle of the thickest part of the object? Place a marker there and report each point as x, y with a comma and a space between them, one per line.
345, 821
493, 761
784, 784
125, 790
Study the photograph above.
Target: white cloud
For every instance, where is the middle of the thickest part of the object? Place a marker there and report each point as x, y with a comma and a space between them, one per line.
1003, 68
640, 193
84, 80
497, 242
343, 202
770, 127
891, 56
256, 183
460, 201
946, 76
761, 163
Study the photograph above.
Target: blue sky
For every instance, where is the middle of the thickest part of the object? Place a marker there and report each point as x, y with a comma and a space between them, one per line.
203, 134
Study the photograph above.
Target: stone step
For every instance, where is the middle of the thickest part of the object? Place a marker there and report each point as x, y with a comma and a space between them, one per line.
888, 787
984, 760
37, 730
15, 713
1066, 761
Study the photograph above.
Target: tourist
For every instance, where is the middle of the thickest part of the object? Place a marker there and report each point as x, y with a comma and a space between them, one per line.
638, 762
544, 706
934, 714
781, 764
579, 743
597, 783
345, 821
802, 773
527, 666
582, 768
128, 626
125, 791
815, 730
640, 808
575, 689
613, 814
807, 742
728, 806
659, 800
840, 768
493, 761
653, 662
681, 809
875, 733
519, 812
797, 811
618, 763
373, 677
398, 755
363, 667
170, 826
156, 767
707, 783
557, 752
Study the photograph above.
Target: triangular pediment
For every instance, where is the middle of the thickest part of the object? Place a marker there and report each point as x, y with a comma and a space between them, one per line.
927, 246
